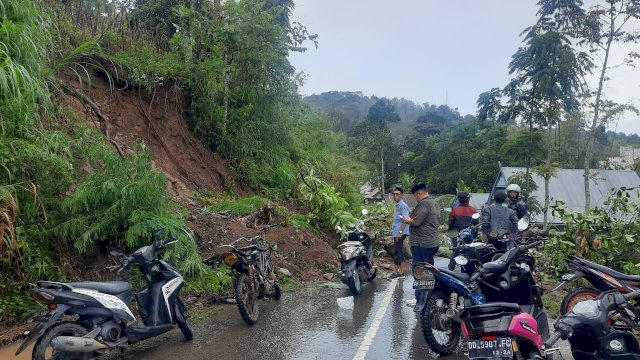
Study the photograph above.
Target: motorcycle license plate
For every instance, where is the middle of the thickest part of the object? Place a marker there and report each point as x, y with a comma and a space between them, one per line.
424, 284
499, 347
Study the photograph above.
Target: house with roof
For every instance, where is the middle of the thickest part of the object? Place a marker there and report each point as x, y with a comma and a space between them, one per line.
568, 186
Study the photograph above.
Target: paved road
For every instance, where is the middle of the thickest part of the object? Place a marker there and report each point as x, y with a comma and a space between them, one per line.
307, 324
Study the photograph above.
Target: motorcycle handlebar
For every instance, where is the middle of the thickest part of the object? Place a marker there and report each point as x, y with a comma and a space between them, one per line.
633, 295
476, 275
553, 339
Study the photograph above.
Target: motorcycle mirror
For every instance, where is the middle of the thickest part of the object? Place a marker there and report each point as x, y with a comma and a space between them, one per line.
461, 260
452, 233
365, 211
475, 216
158, 233
115, 253
523, 224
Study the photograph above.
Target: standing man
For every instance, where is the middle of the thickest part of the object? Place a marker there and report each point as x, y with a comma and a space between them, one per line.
498, 220
423, 233
399, 231
516, 203
459, 219
423, 226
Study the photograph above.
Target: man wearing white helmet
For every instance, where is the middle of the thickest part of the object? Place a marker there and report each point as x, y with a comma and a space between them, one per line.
516, 203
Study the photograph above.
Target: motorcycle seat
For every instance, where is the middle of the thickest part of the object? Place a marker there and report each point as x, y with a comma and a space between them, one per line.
492, 308
110, 287
609, 271
458, 275
527, 308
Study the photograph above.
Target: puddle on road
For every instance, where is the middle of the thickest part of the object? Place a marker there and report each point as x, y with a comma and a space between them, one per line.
8, 352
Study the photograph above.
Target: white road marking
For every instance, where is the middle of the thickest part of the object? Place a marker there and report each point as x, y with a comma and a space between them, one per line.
375, 324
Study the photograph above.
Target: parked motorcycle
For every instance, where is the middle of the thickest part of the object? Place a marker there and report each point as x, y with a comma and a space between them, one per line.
253, 274
87, 318
356, 257
472, 252
506, 330
587, 327
441, 294
602, 279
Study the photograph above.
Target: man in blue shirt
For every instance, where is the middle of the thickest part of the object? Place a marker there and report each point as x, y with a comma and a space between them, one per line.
399, 231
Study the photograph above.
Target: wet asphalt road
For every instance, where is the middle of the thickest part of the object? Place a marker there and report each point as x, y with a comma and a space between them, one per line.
307, 324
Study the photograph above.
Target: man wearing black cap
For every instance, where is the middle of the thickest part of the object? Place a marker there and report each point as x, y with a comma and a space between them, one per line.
459, 219
423, 226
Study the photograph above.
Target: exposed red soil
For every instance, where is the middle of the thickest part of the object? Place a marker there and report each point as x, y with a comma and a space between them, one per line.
157, 120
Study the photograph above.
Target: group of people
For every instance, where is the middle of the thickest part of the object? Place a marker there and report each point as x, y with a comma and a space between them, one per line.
421, 224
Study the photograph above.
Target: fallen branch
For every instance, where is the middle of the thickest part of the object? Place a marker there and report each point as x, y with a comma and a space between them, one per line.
103, 119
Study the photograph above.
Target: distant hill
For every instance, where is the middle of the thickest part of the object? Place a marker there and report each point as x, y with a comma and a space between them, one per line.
347, 108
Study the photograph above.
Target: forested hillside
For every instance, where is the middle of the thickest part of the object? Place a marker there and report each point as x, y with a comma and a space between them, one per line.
438, 144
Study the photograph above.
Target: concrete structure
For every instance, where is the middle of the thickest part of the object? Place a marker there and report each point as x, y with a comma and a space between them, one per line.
626, 161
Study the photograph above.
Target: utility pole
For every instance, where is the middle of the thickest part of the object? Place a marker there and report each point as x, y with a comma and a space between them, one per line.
382, 178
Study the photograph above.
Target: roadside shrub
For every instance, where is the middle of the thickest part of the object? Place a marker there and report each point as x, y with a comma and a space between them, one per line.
607, 235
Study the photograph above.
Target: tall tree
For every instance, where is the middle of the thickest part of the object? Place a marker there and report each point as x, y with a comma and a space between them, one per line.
548, 72
602, 26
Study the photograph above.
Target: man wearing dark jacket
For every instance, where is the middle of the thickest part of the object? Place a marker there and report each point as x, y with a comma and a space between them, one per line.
498, 219
459, 219
516, 203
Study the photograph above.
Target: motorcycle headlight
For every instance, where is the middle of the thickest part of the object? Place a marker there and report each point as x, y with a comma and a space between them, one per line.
41, 297
229, 258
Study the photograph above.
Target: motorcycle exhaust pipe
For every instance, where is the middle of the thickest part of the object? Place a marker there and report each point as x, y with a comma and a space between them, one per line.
76, 344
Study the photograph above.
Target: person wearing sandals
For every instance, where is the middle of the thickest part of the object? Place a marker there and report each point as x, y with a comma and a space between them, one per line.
399, 231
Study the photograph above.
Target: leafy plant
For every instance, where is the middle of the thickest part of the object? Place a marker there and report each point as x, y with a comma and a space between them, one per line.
240, 207
606, 234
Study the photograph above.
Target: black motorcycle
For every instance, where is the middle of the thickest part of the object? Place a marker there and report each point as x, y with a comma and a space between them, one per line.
87, 318
253, 274
601, 279
472, 252
356, 257
587, 327
442, 294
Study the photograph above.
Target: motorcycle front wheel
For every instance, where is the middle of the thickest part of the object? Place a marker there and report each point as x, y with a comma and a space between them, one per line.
44, 351
441, 336
246, 298
181, 320
354, 283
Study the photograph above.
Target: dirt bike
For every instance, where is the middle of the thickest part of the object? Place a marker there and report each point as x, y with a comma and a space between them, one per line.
253, 274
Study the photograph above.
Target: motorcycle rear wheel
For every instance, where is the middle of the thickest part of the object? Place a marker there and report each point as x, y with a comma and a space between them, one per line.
43, 350
444, 341
575, 296
354, 283
246, 298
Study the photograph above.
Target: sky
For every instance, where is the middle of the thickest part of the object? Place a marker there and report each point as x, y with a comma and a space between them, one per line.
435, 51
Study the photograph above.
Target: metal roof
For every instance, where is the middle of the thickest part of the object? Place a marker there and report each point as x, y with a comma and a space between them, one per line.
478, 200
568, 186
